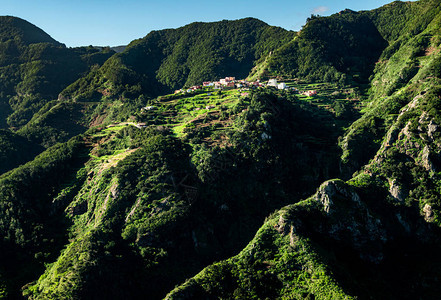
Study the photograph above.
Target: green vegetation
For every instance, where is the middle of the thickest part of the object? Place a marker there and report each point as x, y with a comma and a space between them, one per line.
144, 184
141, 193
170, 59
341, 48
276, 264
29, 216
15, 150
34, 70
404, 70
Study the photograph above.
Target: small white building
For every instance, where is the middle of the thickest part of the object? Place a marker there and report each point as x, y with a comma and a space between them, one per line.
281, 86
224, 81
272, 82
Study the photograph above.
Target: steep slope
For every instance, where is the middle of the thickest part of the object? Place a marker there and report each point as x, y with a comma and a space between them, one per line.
154, 209
15, 150
28, 215
35, 69
166, 60
407, 67
384, 222
182, 185
341, 48
14, 28
341, 243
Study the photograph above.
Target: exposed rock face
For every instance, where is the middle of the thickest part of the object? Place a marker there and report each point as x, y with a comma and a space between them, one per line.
332, 189
417, 139
425, 159
350, 221
396, 191
431, 129
325, 194
392, 136
428, 213
280, 226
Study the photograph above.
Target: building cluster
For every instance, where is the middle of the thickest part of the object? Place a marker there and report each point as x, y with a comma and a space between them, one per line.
309, 93
232, 83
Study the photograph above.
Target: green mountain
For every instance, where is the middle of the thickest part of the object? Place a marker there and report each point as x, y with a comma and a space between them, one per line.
376, 224
15, 150
408, 66
341, 48
166, 60
35, 69
139, 193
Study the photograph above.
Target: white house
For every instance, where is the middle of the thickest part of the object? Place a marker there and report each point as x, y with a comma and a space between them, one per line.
272, 82
281, 86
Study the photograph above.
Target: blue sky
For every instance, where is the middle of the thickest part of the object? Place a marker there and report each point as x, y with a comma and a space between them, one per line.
117, 22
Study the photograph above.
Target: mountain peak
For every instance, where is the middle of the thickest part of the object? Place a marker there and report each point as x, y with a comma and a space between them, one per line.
17, 28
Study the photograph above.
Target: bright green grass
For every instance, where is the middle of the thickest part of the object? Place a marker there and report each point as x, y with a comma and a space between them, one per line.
115, 128
188, 108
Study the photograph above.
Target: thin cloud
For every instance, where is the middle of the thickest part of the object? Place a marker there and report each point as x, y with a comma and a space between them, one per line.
320, 9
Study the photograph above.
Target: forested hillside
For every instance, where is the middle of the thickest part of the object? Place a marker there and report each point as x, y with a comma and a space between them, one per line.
166, 60
325, 187
35, 69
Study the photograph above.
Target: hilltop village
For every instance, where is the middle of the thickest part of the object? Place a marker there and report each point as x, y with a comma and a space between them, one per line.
232, 83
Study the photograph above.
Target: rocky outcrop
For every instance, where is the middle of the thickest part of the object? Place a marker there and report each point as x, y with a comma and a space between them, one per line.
425, 159
431, 129
396, 191
350, 220
346, 219
78, 209
428, 213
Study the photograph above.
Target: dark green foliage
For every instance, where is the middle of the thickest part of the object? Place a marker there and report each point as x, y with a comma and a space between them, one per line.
147, 208
15, 150
35, 69
326, 48
30, 232
403, 65
435, 67
13, 28
27, 185
55, 122
170, 59
409, 18
150, 223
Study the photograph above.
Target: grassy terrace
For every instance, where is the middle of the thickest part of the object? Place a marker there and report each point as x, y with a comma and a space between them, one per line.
327, 93
210, 113
209, 109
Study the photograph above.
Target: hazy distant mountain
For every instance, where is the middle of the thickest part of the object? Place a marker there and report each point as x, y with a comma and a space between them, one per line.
118, 49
